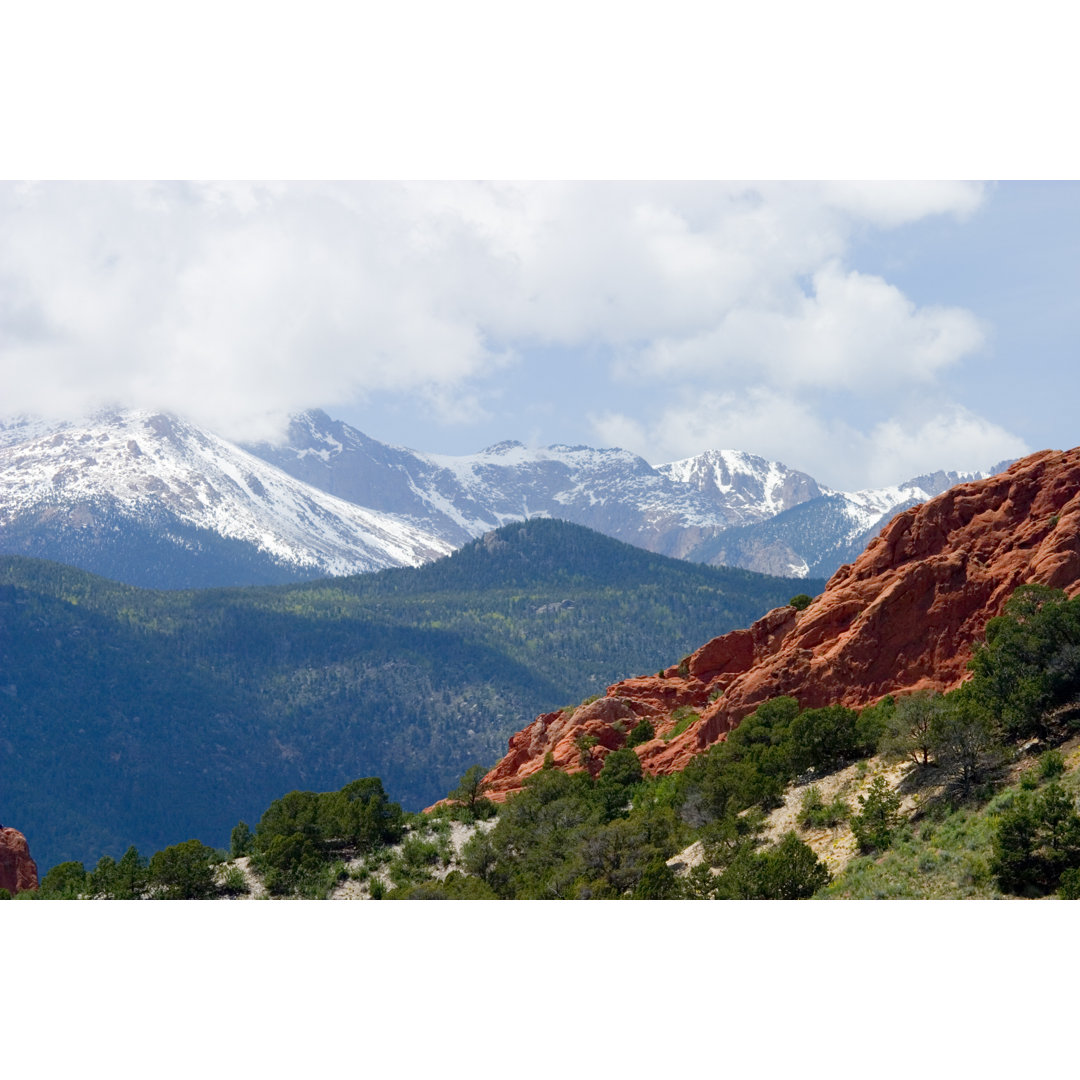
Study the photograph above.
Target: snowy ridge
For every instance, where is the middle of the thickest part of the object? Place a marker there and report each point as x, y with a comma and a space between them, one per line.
753, 487
331, 500
143, 463
682, 508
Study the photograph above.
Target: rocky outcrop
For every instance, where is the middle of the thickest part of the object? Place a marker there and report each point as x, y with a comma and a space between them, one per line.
902, 617
18, 871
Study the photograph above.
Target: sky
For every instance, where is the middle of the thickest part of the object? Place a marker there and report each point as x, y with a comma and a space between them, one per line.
863, 332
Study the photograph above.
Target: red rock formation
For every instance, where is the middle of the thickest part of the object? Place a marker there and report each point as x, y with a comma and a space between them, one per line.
902, 617
18, 871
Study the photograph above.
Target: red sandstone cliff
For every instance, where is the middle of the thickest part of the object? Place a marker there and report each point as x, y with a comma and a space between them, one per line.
17, 870
902, 617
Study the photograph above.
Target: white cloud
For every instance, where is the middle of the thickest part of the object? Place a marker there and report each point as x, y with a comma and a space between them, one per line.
891, 203
953, 438
237, 303
782, 428
757, 420
232, 306
853, 332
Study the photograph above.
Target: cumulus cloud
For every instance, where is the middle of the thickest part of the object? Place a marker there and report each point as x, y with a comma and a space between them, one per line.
852, 331
843, 456
232, 305
237, 303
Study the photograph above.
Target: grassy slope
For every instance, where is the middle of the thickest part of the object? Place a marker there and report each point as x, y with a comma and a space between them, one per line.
945, 848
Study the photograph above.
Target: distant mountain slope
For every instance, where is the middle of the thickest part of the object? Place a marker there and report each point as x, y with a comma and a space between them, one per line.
819, 535
152, 500
130, 716
158, 502
723, 507
667, 510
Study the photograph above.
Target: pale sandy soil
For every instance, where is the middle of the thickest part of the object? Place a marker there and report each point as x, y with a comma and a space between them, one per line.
255, 886
351, 889
835, 847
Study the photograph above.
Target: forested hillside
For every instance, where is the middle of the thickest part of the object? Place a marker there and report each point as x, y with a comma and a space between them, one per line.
138, 717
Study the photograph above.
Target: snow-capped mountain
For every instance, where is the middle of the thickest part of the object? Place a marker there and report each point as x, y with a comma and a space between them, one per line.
816, 537
748, 486
722, 506
670, 510
153, 500
150, 499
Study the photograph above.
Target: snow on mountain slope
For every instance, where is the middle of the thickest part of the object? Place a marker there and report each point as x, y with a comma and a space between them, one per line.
721, 506
816, 537
159, 471
669, 509
750, 486
151, 499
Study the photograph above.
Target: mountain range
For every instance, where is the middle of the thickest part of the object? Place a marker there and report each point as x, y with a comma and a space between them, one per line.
152, 500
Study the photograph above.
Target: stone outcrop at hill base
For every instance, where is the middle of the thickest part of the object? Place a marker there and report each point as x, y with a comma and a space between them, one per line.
18, 871
902, 617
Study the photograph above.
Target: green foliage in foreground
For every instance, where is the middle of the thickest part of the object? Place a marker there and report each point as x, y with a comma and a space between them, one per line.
1019, 840
878, 817
301, 831
1030, 661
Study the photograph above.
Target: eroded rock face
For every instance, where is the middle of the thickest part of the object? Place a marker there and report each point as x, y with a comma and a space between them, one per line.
17, 870
902, 617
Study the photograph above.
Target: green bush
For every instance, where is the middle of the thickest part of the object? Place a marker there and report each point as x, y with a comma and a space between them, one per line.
788, 870
1036, 840
478, 854
909, 730
182, 872
234, 882
800, 602
657, 882
1069, 888
614, 786
417, 854
642, 732
584, 744
457, 886
965, 738
1051, 765
823, 739
1030, 660
684, 716
872, 723
67, 881
878, 816
815, 813
240, 840
469, 795
302, 830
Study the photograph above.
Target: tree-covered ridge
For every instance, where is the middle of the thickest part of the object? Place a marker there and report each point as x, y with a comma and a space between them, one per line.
132, 716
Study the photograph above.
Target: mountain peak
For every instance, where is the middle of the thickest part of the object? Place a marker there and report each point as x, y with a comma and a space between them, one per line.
501, 448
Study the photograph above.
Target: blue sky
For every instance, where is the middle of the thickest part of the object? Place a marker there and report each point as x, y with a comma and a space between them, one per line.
863, 332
